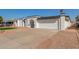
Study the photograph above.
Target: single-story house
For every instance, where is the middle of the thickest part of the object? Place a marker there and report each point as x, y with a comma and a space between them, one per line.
60, 22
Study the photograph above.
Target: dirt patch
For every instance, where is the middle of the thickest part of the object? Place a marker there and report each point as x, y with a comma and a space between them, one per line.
63, 39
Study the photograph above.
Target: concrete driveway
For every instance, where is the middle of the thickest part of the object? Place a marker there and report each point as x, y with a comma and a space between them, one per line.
24, 38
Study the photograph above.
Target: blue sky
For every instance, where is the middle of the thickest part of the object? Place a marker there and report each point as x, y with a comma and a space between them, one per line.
18, 13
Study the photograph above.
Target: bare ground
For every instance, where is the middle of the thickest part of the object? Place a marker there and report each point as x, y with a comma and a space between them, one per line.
63, 39
24, 37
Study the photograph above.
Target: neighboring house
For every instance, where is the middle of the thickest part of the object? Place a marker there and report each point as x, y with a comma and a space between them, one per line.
77, 24
77, 21
60, 22
7, 23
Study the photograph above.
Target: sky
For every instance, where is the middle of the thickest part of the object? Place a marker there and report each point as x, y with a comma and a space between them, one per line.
19, 13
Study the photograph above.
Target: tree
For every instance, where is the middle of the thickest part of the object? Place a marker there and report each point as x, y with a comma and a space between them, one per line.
1, 19
77, 18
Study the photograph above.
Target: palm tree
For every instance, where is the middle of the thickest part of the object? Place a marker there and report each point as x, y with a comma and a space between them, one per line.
1, 19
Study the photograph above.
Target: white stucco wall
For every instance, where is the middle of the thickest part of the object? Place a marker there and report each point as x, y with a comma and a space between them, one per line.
67, 24
19, 23
64, 24
15, 23
35, 22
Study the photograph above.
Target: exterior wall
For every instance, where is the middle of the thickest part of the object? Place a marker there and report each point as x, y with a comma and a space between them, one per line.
64, 24
19, 23
15, 23
67, 24
35, 22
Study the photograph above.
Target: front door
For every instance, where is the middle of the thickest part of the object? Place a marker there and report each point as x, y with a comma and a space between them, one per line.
32, 23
